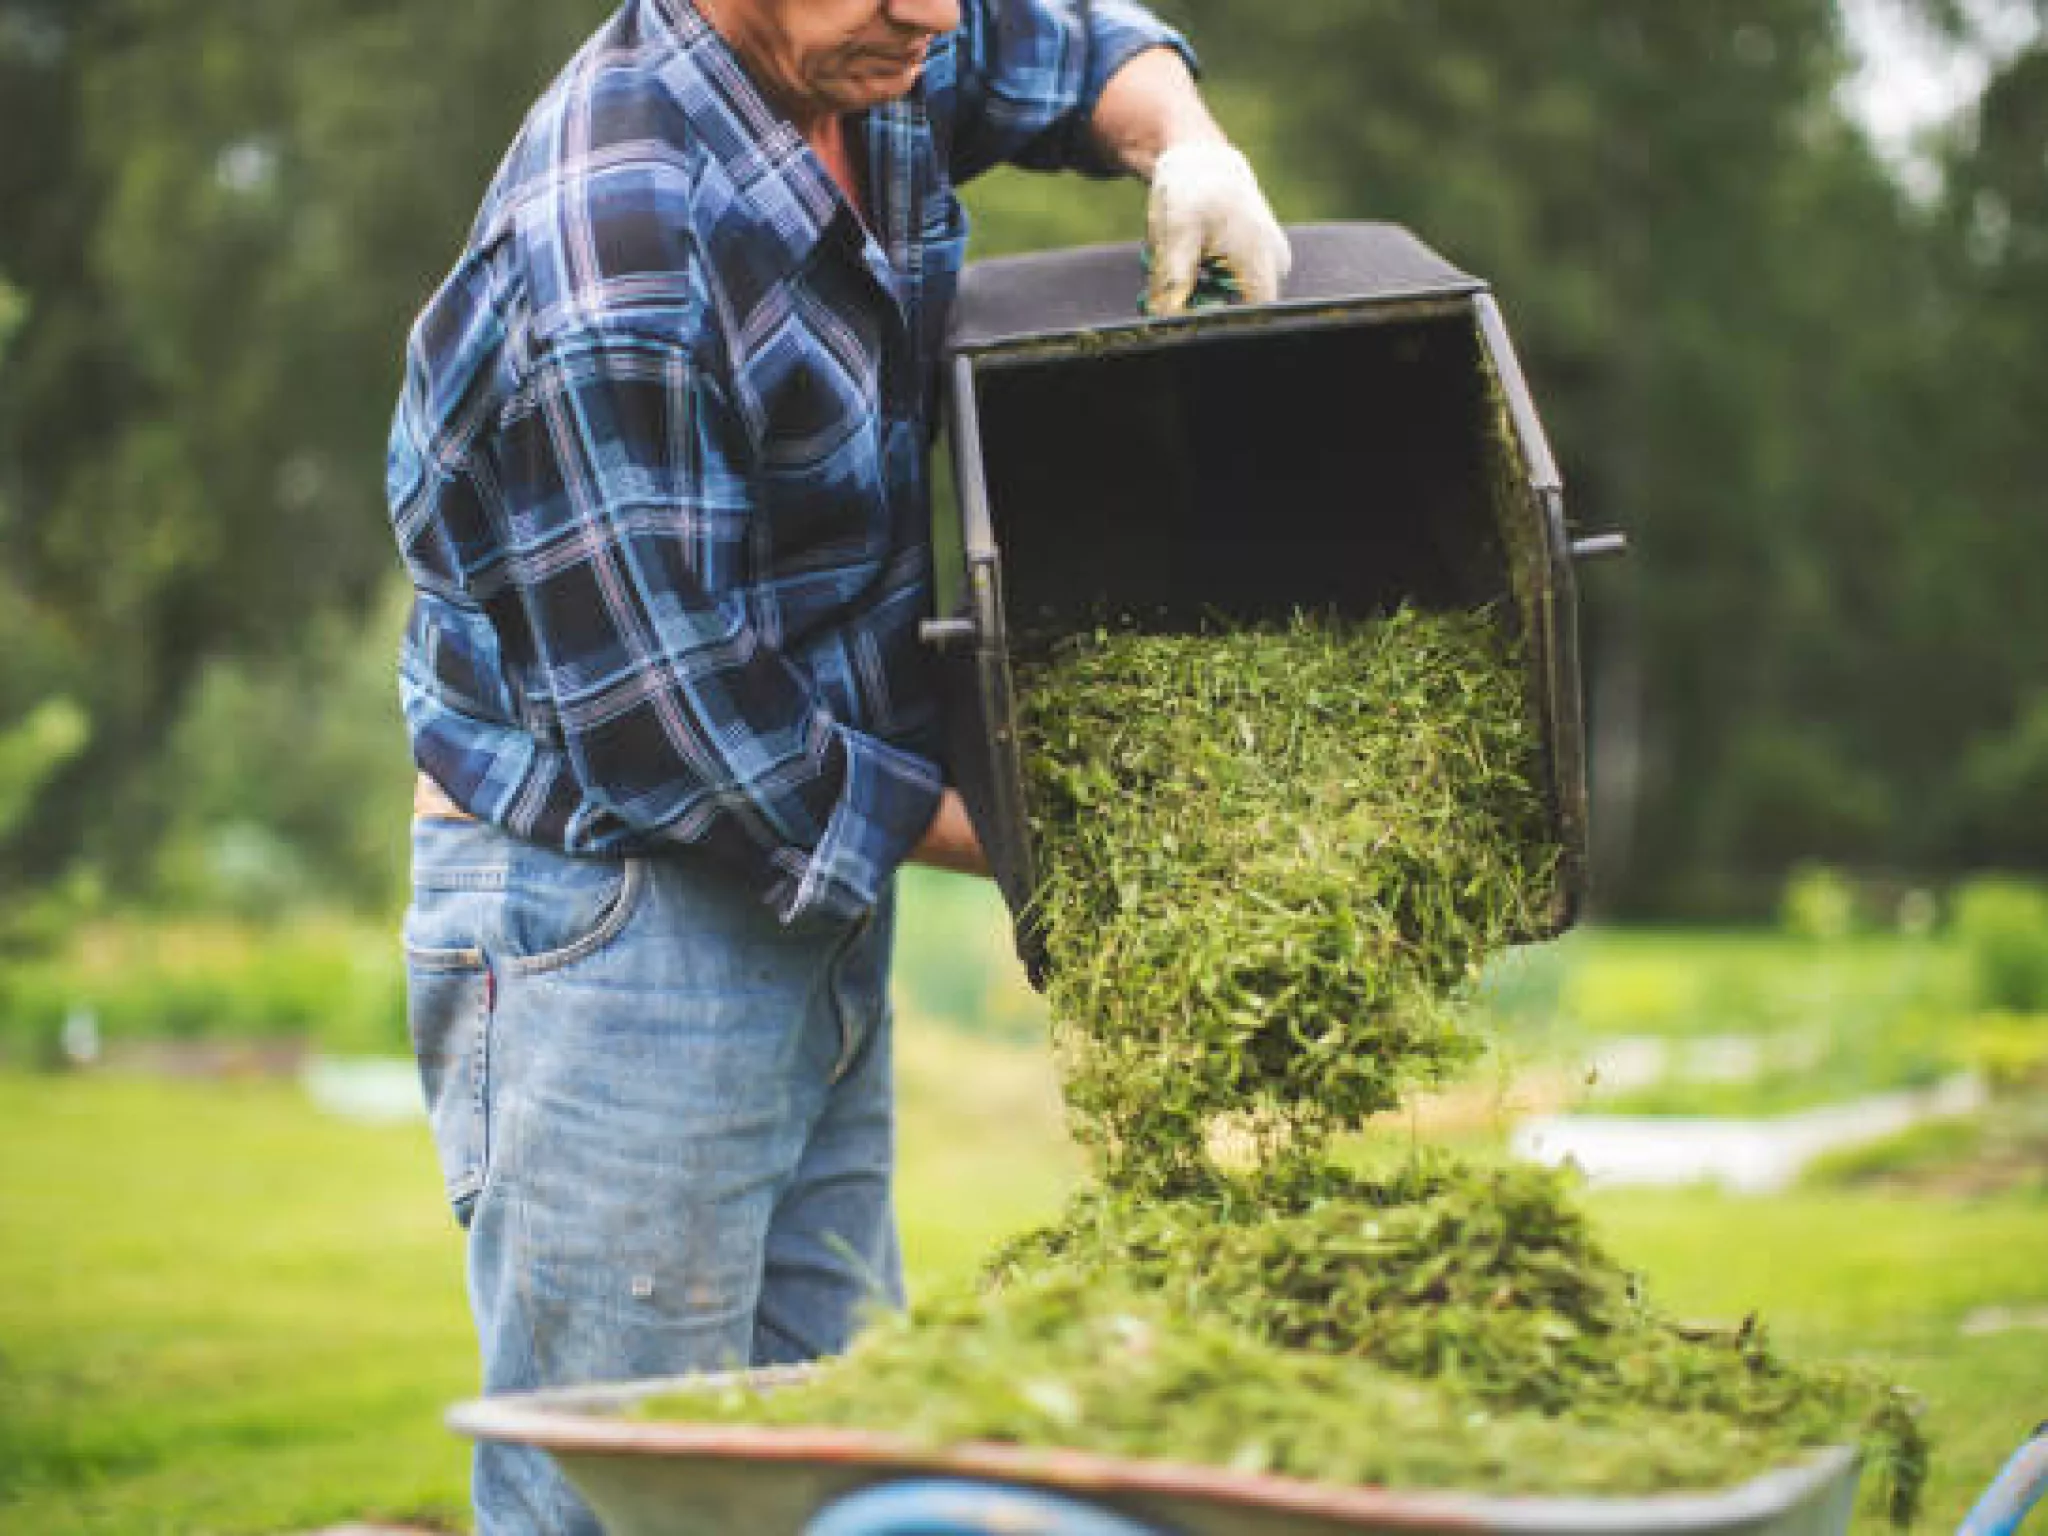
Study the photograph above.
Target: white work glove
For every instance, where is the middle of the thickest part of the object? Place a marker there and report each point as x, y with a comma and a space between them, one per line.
1206, 202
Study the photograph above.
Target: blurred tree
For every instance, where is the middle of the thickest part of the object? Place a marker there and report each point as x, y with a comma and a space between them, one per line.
1745, 341
1987, 596
1813, 400
31, 751
331, 832
231, 216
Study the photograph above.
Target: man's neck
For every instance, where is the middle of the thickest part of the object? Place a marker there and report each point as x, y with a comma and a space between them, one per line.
823, 129
753, 44
833, 145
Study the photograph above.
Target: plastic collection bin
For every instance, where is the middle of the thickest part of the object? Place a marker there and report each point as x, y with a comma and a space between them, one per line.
1366, 442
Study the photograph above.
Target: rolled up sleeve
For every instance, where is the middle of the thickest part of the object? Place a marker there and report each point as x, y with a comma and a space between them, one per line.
886, 802
679, 716
1031, 73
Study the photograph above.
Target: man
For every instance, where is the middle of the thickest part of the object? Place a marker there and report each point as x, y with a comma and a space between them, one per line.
659, 477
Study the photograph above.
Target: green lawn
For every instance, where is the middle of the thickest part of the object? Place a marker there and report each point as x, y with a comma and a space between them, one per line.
1886, 1282
218, 1313
222, 1313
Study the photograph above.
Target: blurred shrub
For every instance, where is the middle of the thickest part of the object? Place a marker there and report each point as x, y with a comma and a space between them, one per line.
2009, 1050
1751, 1023
1835, 1062
338, 985
1784, 796
955, 963
31, 751
2001, 795
13, 310
1916, 914
1920, 1149
241, 868
1818, 904
2001, 1150
1624, 996
1523, 990
2001, 926
287, 784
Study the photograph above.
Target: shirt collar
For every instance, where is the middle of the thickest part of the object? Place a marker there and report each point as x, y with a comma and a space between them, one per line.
784, 192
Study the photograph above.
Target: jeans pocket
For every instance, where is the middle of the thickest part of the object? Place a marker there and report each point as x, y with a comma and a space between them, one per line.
556, 910
448, 1010
528, 908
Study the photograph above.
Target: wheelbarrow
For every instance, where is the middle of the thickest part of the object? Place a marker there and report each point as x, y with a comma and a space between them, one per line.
672, 1477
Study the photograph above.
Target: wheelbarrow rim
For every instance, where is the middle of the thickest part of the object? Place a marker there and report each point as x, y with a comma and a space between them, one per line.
584, 1421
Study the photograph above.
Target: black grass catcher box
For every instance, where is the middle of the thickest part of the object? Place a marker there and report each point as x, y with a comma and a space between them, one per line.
1367, 442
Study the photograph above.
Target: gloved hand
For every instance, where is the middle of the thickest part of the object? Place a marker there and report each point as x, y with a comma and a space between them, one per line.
1206, 202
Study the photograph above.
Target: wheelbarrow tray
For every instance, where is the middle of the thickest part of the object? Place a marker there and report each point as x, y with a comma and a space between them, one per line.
649, 1477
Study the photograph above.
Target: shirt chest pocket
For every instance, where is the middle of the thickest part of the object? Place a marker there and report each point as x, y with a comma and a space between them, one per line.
815, 382
821, 493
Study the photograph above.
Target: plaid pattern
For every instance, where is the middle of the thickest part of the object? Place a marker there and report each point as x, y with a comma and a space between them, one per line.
659, 469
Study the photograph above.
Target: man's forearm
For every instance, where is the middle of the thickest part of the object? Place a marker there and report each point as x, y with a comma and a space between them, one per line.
1205, 202
951, 842
1150, 105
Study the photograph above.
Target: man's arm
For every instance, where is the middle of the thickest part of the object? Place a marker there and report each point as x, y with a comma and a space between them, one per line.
1150, 105
679, 716
1106, 88
1205, 200
951, 842
1027, 76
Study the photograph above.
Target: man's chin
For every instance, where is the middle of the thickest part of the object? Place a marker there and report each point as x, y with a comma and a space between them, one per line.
857, 93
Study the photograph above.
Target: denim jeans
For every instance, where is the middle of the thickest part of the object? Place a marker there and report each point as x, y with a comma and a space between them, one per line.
664, 1119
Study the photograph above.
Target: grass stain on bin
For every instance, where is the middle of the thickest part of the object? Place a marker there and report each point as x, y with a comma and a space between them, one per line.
1273, 861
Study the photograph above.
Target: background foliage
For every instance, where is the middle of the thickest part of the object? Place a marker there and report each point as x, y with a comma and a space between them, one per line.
1810, 388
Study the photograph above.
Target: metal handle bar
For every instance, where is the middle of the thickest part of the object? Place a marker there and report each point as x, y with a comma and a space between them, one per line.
941, 1507
949, 634
2013, 1492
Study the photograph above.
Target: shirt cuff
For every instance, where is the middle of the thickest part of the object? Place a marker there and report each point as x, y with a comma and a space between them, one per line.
886, 806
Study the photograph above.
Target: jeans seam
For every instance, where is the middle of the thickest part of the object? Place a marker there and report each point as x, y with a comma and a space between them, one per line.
849, 1034
467, 1038
480, 1086
616, 917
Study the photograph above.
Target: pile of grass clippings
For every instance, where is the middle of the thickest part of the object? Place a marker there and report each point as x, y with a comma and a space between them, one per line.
1406, 1332
1273, 860
1488, 1284
1062, 1360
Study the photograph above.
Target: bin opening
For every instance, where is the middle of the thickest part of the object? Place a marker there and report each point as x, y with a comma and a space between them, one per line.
1246, 478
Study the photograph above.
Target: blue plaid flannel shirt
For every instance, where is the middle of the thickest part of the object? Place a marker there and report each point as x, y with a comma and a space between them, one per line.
659, 473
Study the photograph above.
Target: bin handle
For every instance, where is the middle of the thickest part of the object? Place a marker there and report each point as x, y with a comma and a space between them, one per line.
1600, 546
949, 634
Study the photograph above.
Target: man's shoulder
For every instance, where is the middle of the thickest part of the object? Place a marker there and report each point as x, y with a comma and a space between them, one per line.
594, 210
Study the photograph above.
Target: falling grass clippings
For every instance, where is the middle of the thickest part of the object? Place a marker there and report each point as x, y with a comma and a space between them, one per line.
1273, 861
